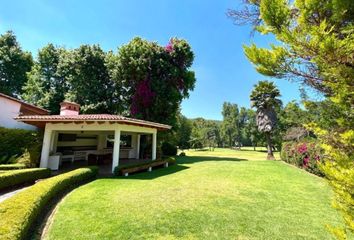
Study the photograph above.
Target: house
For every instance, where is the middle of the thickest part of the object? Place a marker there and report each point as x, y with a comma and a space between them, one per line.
102, 139
11, 107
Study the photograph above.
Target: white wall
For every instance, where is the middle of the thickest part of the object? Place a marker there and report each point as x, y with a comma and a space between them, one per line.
8, 110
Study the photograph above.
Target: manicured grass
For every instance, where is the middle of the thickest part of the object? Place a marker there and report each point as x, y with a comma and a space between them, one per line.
200, 198
245, 153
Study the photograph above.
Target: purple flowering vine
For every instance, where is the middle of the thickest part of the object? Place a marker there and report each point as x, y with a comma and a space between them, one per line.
142, 98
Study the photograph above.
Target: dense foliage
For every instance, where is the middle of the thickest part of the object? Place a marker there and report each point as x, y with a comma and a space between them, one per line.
168, 149
18, 213
156, 77
317, 49
306, 154
16, 142
14, 64
143, 79
82, 75
15, 177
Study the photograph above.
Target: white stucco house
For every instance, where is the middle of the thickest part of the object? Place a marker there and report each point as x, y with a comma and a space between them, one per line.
11, 107
102, 139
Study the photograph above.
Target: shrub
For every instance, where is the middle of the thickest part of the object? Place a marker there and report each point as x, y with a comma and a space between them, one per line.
168, 149
182, 154
306, 154
15, 142
12, 166
18, 213
15, 177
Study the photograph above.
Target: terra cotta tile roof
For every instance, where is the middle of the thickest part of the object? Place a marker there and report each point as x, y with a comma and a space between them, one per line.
90, 117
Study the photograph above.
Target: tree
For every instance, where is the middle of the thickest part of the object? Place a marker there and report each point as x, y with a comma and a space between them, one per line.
156, 78
85, 75
14, 63
317, 49
229, 124
293, 116
45, 87
85, 70
264, 97
183, 132
250, 130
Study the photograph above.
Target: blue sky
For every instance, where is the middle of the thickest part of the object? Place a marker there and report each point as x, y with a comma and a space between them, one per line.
223, 72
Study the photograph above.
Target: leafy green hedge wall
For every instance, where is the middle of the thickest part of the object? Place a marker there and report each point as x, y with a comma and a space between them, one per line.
306, 154
15, 142
15, 177
18, 213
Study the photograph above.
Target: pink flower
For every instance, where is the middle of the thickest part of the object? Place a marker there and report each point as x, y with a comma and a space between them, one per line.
142, 98
306, 161
169, 47
302, 148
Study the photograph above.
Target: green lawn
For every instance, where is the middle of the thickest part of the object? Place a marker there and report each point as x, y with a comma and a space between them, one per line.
245, 153
201, 198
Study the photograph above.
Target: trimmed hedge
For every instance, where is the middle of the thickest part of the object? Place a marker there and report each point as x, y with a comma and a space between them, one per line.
15, 177
15, 142
117, 170
306, 154
18, 213
14, 166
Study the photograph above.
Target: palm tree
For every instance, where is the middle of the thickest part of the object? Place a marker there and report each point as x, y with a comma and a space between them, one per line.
264, 99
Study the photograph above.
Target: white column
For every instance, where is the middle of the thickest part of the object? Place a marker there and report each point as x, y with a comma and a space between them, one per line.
154, 136
115, 160
52, 141
137, 146
46, 147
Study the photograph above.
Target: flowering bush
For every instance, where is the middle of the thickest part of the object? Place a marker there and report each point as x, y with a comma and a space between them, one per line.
306, 154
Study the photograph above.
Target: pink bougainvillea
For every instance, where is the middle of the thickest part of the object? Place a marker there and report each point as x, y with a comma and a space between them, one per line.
306, 161
169, 46
302, 148
306, 154
142, 98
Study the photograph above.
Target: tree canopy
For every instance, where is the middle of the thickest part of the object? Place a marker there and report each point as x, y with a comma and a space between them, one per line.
14, 64
157, 78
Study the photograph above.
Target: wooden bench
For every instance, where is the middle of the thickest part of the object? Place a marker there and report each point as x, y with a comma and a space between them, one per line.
147, 166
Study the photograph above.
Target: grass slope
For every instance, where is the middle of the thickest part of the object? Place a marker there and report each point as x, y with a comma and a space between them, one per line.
200, 198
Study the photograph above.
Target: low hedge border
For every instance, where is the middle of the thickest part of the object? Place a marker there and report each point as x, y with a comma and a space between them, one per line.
12, 166
18, 213
119, 169
15, 177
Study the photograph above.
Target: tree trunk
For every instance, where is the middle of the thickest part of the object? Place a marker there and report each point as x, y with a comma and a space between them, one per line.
270, 155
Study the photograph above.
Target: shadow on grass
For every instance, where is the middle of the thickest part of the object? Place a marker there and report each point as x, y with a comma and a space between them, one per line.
195, 159
161, 171
155, 173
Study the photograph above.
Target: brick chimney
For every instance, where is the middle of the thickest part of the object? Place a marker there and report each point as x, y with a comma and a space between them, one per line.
69, 108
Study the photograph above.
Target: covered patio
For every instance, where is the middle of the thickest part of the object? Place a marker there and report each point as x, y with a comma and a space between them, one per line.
72, 139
